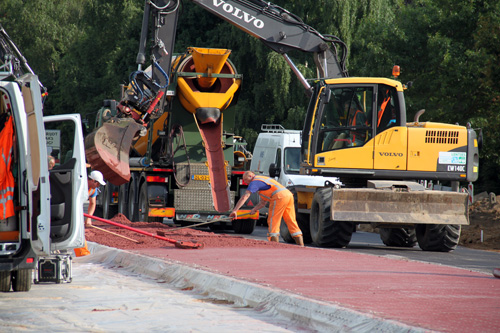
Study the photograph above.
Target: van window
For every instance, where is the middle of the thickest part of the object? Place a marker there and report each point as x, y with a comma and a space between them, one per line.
292, 160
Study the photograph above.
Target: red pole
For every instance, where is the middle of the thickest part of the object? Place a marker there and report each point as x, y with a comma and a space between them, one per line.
180, 244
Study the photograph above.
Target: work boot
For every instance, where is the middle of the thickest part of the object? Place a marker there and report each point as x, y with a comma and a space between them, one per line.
275, 239
299, 240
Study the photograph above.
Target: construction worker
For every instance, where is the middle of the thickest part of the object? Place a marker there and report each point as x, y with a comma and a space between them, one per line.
51, 161
280, 201
94, 179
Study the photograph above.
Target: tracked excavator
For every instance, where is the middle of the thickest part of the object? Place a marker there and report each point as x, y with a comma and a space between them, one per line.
355, 129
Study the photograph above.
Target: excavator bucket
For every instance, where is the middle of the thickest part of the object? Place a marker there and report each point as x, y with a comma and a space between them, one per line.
385, 206
107, 149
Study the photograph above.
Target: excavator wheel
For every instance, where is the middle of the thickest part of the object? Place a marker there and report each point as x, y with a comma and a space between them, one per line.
107, 149
438, 237
324, 231
399, 237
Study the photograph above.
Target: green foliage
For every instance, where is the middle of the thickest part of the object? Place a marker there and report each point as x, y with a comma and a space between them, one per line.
83, 49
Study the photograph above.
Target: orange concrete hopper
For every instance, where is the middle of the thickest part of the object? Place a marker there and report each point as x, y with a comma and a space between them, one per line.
206, 94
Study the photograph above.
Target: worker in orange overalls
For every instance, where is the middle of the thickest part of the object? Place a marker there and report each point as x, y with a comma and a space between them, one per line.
7, 182
280, 201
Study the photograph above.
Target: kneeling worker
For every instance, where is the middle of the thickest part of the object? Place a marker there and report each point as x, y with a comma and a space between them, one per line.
280, 205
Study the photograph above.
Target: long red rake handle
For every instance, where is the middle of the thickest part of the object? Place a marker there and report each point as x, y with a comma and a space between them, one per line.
179, 244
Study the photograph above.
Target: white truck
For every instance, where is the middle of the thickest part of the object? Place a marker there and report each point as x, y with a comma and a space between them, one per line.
41, 213
277, 154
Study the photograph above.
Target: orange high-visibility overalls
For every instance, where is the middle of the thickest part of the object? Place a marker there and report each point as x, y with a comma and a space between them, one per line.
7, 182
280, 206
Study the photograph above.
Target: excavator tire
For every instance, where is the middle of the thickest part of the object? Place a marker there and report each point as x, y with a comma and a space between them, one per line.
324, 231
399, 237
438, 237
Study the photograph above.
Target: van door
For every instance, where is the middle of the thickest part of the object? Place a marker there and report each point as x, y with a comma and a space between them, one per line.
36, 166
68, 180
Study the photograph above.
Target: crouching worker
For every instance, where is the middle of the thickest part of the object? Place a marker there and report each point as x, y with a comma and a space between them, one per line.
95, 179
280, 201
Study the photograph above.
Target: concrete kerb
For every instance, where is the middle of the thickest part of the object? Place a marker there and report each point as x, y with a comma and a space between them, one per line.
318, 315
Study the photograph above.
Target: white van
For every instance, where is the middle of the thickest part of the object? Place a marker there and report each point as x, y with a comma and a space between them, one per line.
41, 219
277, 154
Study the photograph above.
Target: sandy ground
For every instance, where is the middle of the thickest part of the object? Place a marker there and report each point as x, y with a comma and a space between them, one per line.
189, 237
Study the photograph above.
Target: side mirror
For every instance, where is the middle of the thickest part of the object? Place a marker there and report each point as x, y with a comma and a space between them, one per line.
274, 171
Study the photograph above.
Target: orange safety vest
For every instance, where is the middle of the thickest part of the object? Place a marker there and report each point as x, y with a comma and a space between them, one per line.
7, 183
267, 195
382, 109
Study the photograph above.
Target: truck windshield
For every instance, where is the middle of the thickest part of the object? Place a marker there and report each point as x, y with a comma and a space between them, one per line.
292, 160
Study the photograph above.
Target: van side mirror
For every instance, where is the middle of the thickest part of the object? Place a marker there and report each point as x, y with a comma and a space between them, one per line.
274, 171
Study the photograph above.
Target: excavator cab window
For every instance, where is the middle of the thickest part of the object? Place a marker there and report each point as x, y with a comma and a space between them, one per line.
346, 121
388, 114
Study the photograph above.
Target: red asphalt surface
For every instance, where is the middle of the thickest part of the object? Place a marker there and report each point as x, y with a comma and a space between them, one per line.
429, 296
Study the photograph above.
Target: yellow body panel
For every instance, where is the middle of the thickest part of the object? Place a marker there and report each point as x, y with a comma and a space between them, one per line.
348, 158
432, 144
390, 149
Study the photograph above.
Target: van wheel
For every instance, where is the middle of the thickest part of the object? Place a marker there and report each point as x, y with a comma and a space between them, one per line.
244, 227
21, 280
5, 281
302, 219
285, 233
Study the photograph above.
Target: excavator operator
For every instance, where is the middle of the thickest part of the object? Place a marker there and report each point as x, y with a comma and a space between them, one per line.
356, 117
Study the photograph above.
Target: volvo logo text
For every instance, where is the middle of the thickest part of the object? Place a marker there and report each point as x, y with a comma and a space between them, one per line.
386, 154
239, 14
